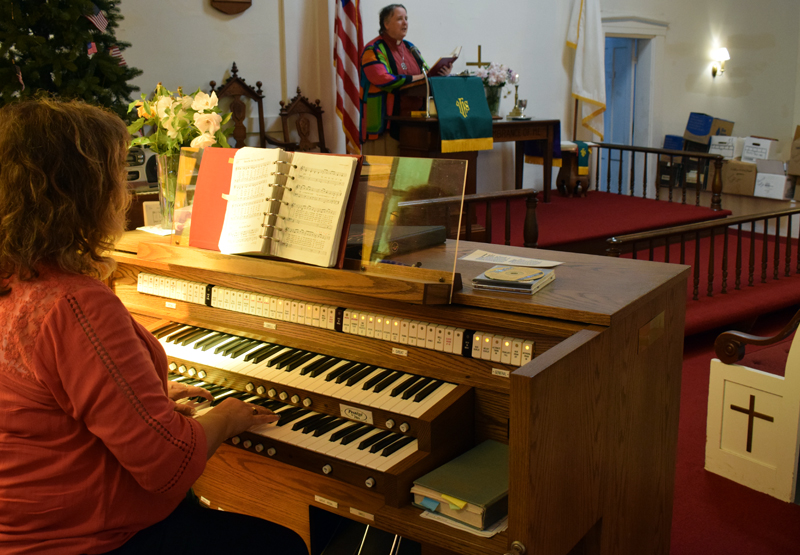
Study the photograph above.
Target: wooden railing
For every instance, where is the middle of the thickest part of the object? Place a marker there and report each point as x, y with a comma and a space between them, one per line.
644, 158
766, 228
445, 211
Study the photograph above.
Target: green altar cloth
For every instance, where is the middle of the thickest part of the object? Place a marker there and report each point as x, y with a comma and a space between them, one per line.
465, 122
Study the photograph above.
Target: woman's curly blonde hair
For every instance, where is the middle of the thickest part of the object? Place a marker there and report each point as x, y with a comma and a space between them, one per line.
63, 192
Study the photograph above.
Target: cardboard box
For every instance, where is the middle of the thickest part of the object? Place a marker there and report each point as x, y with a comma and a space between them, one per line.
728, 147
794, 154
672, 142
738, 178
759, 148
771, 181
701, 127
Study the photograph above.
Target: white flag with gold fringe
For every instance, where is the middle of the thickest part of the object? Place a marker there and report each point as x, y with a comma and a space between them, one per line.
585, 36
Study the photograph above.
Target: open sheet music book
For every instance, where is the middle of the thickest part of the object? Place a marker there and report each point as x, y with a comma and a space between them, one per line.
290, 205
441, 62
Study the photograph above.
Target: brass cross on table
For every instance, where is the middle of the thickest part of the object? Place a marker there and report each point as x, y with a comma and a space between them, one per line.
751, 414
479, 63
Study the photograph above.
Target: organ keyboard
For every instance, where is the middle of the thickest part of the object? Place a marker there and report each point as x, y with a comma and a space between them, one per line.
582, 380
388, 404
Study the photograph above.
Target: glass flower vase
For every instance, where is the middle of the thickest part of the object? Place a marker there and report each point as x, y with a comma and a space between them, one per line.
167, 185
493, 98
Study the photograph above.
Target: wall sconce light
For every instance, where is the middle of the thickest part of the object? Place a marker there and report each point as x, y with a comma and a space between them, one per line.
720, 56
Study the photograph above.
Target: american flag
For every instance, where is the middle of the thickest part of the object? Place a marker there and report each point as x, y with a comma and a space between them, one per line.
115, 53
98, 19
346, 52
91, 48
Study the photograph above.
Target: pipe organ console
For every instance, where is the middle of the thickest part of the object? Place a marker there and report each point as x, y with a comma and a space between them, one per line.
378, 381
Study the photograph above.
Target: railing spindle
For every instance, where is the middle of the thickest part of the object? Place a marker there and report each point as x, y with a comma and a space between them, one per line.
633, 174
697, 182
764, 256
683, 181
788, 269
683, 249
696, 280
671, 176
619, 173
777, 262
725, 261
752, 269
711, 261
738, 256
644, 179
608, 171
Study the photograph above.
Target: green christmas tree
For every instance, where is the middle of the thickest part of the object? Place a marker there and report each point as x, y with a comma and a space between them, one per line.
64, 47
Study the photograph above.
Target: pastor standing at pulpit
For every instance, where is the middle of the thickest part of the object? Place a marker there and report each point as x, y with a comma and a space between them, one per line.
388, 63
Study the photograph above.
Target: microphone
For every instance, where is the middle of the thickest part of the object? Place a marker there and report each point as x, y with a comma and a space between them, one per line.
427, 96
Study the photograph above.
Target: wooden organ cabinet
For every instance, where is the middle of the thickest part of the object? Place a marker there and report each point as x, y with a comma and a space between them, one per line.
591, 420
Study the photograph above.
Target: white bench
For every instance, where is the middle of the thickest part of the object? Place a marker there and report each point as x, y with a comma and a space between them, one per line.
754, 416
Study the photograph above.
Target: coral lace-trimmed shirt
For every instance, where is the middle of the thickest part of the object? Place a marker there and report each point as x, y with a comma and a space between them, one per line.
91, 450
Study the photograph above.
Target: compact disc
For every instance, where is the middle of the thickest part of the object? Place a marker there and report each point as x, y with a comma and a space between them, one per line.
513, 273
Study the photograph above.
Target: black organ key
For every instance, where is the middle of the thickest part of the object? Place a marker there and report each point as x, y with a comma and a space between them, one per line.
308, 421
194, 337
214, 341
385, 442
319, 370
354, 435
287, 357
339, 434
351, 372
396, 446
318, 367
414, 389
328, 426
403, 386
360, 375
293, 364
179, 335
433, 386
373, 439
291, 416
253, 354
166, 330
223, 348
243, 346
387, 381
376, 379
314, 426
266, 354
341, 370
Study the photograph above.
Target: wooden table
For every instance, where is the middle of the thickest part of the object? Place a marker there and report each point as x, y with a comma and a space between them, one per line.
419, 137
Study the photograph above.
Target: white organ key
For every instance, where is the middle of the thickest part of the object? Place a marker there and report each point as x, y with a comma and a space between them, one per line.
385, 463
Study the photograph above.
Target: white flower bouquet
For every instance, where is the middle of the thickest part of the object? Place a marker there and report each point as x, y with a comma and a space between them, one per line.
171, 120
496, 75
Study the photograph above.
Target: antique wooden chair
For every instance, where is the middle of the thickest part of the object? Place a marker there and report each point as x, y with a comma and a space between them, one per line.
753, 414
297, 111
300, 111
235, 88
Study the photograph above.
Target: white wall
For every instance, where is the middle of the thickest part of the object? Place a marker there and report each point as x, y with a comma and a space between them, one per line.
188, 43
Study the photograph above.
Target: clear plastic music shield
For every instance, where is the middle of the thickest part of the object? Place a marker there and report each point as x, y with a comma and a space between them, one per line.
406, 217
188, 168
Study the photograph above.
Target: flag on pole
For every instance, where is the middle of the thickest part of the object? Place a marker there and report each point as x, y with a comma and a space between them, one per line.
585, 36
115, 53
346, 52
98, 19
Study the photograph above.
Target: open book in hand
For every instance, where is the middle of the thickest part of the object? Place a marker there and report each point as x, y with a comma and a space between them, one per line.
288, 205
442, 62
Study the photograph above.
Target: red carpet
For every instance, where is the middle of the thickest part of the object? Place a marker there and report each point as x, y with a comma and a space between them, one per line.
597, 216
713, 515
735, 305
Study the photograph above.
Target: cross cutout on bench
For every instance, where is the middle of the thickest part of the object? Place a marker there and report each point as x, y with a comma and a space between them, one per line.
751, 415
